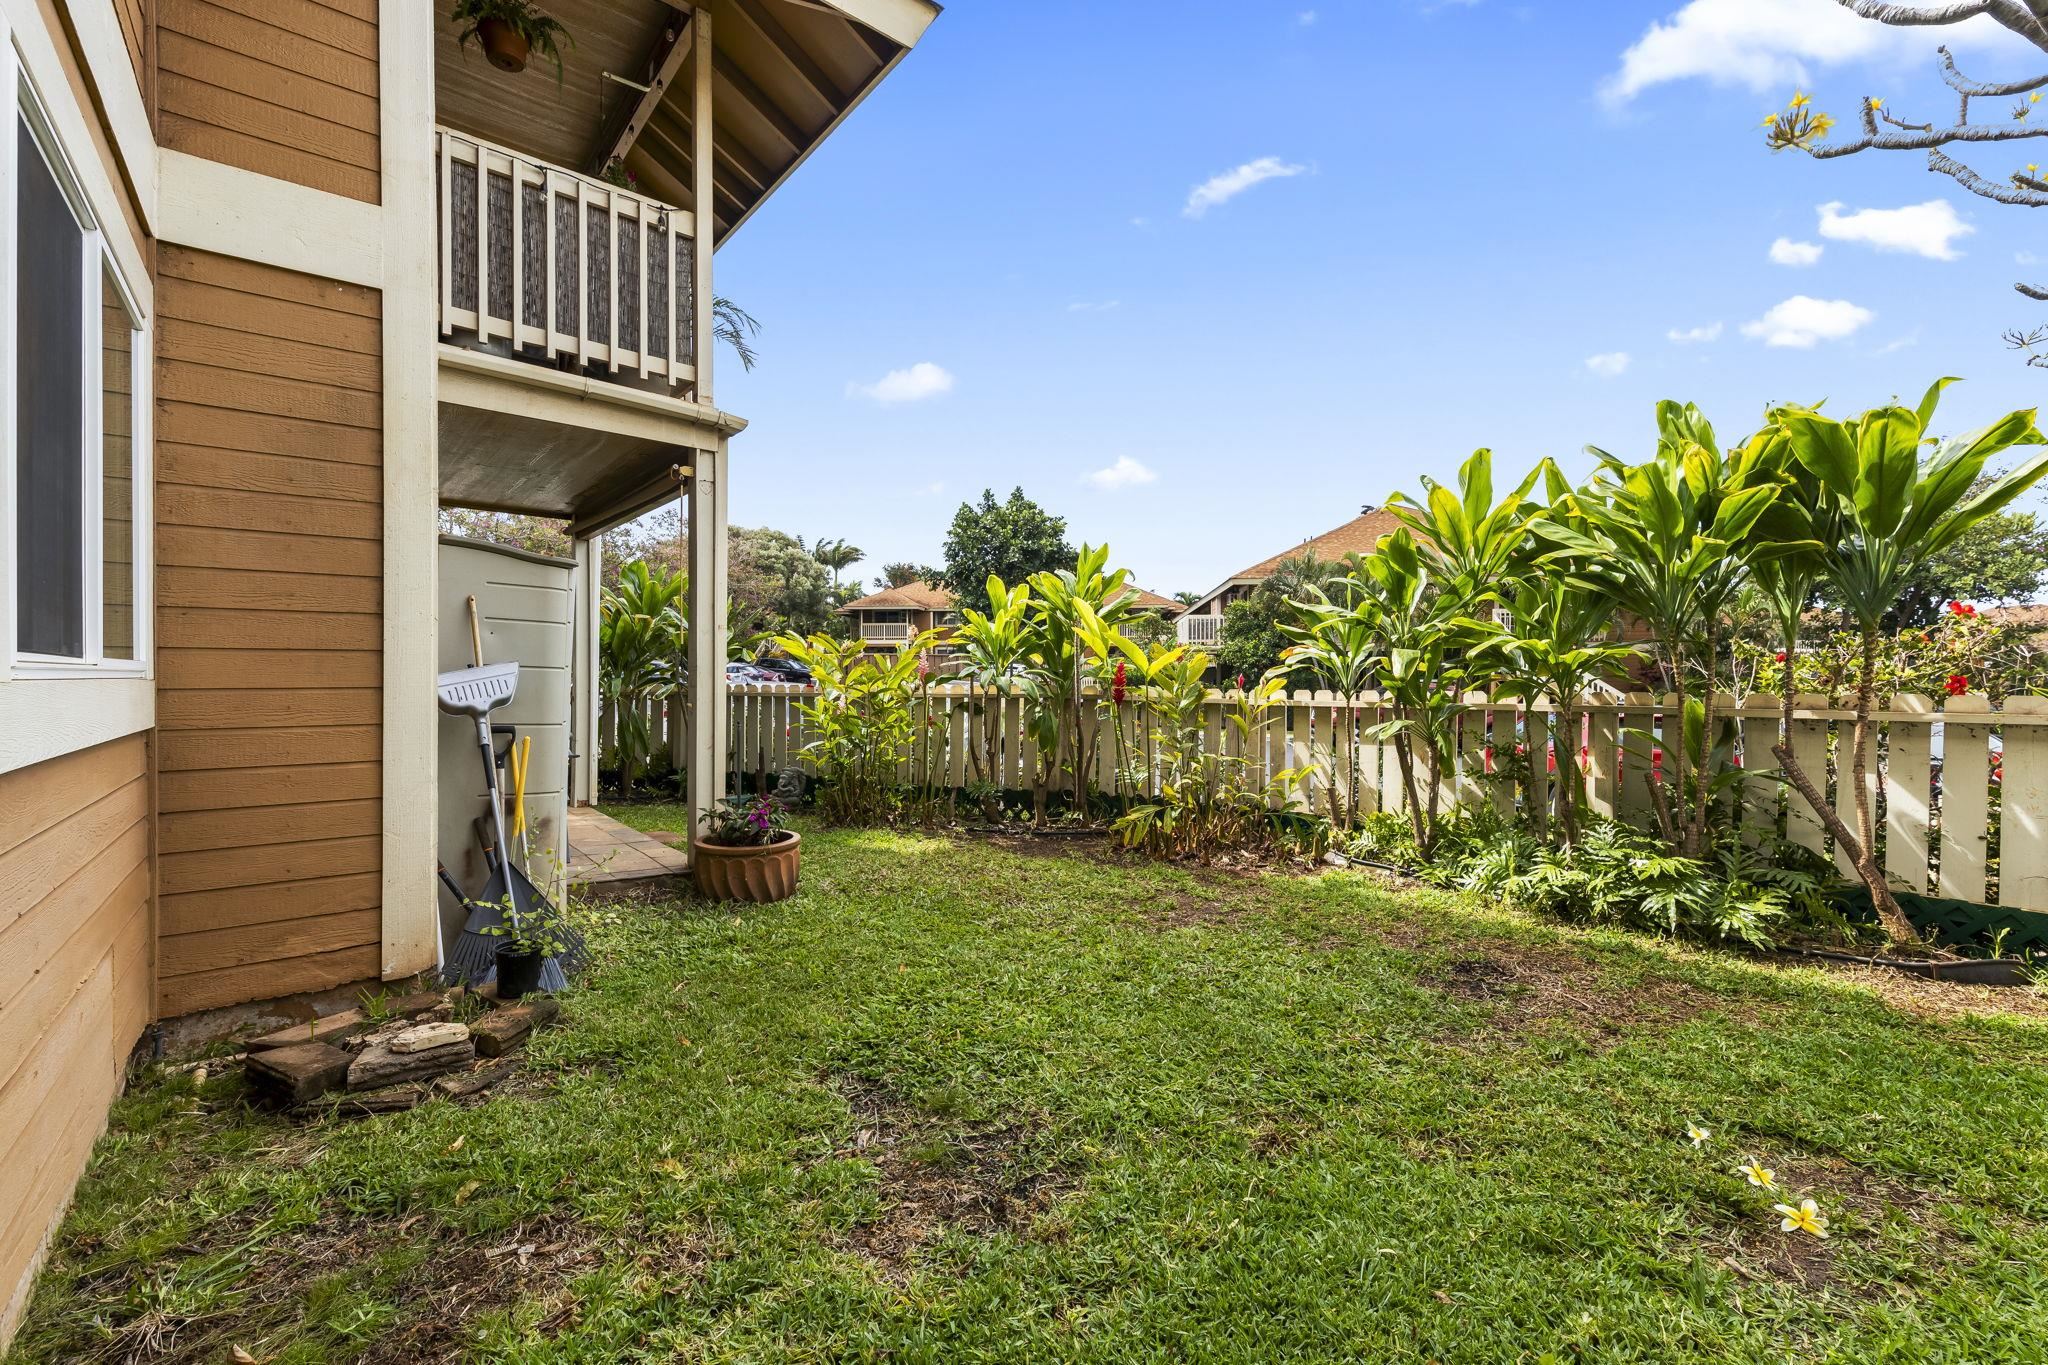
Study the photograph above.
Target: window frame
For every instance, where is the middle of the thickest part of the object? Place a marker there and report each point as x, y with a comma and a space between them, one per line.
23, 104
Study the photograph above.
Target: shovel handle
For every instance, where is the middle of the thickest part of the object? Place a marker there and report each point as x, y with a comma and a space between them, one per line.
476, 638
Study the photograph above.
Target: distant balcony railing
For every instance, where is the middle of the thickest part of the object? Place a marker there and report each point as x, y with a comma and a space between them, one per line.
1199, 630
583, 270
884, 632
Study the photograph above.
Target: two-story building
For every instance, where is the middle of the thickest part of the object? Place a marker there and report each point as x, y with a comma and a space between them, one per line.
279, 279
885, 620
1202, 623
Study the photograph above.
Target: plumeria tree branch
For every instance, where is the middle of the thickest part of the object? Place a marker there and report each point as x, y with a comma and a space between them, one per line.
1802, 126
2028, 18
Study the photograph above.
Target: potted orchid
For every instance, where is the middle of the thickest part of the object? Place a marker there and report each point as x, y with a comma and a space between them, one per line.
747, 851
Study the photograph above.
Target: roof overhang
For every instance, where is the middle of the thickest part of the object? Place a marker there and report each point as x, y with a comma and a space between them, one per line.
785, 74
518, 437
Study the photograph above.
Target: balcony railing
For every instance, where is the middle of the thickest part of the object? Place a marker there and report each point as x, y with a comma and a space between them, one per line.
583, 270
884, 632
1199, 630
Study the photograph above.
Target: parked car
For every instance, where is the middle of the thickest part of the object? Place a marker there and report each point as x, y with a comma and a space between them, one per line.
785, 670
739, 671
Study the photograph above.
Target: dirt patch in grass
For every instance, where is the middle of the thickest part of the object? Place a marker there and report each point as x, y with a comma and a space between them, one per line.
1932, 999
637, 894
242, 1283
939, 1176
1857, 1203
1530, 987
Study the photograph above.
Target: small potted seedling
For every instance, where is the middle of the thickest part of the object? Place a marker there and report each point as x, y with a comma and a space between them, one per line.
511, 31
523, 951
747, 852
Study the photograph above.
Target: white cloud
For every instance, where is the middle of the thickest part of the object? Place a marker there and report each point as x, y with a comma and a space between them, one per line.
2026, 258
1928, 229
1892, 347
1785, 251
1690, 335
933, 489
1800, 321
1773, 45
1609, 364
922, 380
1306, 18
1094, 306
1221, 189
1125, 473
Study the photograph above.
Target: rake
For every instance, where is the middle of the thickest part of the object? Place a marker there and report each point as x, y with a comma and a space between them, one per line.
508, 896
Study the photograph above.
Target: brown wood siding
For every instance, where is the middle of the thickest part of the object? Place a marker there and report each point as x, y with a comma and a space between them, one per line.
269, 595
75, 978
286, 88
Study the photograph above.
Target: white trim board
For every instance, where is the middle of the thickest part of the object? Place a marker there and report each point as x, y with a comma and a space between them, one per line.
46, 718
408, 264
902, 22
232, 212
104, 52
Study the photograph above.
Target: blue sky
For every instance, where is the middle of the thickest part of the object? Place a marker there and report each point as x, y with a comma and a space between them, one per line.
1482, 206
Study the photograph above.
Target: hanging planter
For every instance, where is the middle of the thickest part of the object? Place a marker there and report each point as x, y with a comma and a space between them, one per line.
505, 46
510, 32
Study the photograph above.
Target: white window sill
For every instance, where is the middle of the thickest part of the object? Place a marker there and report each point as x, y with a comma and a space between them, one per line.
44, 717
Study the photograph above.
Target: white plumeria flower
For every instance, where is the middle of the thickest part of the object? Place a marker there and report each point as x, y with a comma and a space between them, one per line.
1699, 1135
1806, 1218
1763, 1177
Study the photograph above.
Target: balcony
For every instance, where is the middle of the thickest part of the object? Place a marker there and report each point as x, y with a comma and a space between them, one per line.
1198, 630
884, 632
576, 369
570, 335
584, 273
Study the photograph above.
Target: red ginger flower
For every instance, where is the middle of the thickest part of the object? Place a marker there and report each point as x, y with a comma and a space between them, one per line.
1116, 687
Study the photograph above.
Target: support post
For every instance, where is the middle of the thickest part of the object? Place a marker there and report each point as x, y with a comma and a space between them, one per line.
702, 203
584, 733
409, 743
706, 700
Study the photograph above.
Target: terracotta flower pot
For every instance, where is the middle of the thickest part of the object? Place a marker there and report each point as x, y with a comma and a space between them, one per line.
757, 873
505, 45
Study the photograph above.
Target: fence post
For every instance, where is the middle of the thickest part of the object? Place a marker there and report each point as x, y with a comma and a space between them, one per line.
2023, 808
1908, 809
1809, 744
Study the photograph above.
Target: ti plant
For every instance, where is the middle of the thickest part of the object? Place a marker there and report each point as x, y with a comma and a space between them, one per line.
991, 653
1553, 644
1064, 724
862, 721
640, 637
1890, 511
1669, 540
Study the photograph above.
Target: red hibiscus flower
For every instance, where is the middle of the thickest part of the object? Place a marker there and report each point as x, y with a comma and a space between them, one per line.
1957, 684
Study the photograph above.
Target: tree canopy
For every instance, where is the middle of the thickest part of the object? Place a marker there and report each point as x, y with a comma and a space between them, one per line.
1012, 540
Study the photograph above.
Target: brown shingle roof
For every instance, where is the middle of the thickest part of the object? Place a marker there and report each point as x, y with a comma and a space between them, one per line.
1142, 600
922, 596
913, 596
1360, 535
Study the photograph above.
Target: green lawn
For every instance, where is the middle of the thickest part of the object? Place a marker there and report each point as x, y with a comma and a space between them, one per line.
958, 1103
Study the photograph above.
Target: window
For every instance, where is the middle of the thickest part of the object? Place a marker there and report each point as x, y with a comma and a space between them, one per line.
77, 437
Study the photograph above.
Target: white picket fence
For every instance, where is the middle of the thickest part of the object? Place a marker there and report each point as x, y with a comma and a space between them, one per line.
1946, 778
